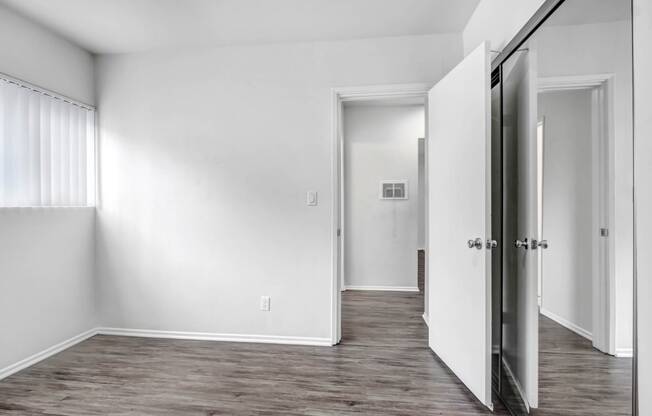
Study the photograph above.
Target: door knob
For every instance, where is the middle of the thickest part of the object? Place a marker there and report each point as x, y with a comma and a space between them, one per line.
521, 244
491, 244
543, 244
477, 243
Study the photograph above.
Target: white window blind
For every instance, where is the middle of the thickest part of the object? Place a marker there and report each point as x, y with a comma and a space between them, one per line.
47, 149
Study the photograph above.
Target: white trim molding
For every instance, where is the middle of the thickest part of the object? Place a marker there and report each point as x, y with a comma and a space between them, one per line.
625, 352
572, 82
46, 353
384, 288
209, 336
426, 319
380, 92
149, 333
567, 324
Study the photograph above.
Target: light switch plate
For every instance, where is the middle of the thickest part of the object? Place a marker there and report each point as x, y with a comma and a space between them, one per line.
311, 198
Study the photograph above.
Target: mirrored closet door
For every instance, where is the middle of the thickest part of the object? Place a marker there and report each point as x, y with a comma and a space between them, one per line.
563, 279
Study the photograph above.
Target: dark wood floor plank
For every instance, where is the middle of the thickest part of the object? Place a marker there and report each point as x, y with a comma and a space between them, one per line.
382, 367
576, 379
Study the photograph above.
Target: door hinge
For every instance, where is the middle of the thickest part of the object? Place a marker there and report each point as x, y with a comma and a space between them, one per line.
604, 232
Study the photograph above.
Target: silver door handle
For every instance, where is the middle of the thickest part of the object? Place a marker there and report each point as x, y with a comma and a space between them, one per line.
491, 244
543, 244
477, 243
521, 244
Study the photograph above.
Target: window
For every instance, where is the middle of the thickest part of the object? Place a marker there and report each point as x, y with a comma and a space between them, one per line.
47, 148
393, 190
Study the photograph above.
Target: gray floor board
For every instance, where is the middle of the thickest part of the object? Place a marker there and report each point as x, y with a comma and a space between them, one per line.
382, 367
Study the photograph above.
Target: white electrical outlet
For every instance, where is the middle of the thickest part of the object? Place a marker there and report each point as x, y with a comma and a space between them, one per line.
311, 198
265, 303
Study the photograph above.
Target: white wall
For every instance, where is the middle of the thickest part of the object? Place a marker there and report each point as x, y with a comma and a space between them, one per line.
34, 54
604, 49
497, 21
381, 143
207, 155
47, 288
567, 198
643, 179
46, 254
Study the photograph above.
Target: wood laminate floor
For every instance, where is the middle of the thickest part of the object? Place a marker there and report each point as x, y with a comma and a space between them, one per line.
576, 379
382, 367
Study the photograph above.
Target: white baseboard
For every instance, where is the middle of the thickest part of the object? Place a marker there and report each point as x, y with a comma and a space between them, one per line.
624, 352
385, 288
264, 339
426, 319
567, 324
208, 336
40, 356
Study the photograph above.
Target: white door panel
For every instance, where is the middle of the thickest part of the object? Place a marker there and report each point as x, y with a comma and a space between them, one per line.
459, 291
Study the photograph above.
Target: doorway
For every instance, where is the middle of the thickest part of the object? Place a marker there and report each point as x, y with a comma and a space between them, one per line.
382, 303
573, 187
577, 315
376, 134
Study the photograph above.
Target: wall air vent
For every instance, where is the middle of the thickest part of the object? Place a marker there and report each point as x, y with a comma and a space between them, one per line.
394, 189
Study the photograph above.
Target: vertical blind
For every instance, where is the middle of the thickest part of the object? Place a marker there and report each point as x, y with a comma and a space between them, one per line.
47, 149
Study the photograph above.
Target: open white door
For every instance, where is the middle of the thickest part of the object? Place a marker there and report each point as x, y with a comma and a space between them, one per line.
459, 125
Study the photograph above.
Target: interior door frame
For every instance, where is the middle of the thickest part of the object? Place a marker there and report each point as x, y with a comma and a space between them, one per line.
603, 334
338, 96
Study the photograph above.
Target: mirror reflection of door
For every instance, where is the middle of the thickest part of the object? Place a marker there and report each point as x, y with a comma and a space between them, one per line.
519, 288
566, 116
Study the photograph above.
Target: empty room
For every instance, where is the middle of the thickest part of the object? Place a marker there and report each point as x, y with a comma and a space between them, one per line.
325, 207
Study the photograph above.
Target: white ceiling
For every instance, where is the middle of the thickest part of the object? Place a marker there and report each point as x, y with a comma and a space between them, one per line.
121, 26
